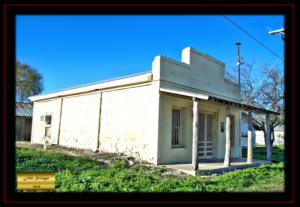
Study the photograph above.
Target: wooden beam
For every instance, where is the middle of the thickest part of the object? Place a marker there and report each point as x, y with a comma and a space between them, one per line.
227, 150
250, 150
195, 134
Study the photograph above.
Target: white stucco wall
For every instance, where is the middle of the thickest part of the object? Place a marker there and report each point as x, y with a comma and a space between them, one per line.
197, 71
235, 149
168, 155
79, 121
38, 127
129, 121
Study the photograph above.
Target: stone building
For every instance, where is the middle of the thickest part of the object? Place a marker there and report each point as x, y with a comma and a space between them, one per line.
179, 112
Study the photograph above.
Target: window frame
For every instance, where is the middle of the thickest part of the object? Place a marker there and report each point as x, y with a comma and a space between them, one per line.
181, 128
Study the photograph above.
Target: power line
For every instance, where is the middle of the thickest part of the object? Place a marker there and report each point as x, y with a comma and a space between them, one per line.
252, 37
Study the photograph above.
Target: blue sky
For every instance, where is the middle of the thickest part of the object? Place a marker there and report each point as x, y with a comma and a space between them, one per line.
71, 50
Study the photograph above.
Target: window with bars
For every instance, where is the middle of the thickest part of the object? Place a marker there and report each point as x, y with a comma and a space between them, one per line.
177, 127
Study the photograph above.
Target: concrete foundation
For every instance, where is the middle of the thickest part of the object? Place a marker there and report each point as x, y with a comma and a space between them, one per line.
216, 166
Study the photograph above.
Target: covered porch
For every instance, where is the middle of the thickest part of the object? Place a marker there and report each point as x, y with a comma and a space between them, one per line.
228, 163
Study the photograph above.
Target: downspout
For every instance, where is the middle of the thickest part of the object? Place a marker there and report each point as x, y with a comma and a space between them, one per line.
59, 122
99, 122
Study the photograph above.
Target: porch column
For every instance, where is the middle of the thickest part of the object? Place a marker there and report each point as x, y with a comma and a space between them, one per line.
250, 150
227, 150
195, 134
268, 139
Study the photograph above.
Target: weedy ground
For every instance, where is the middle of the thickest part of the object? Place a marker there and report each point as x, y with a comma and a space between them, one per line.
83, 174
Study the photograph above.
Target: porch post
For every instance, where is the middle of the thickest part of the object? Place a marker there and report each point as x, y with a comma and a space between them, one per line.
227, 150
195, 134
268, 140
250, 150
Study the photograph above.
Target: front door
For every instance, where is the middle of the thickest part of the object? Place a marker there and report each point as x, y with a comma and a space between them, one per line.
205, 135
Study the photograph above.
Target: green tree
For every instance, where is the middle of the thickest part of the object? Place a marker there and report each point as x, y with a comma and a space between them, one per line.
28, 82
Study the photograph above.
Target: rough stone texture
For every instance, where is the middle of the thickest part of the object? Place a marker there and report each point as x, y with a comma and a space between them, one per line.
38, 127
128, 122
79, 121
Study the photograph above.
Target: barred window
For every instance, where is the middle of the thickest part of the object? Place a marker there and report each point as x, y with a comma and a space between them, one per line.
177, 127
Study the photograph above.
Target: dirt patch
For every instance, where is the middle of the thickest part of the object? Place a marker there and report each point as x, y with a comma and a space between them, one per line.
104, 158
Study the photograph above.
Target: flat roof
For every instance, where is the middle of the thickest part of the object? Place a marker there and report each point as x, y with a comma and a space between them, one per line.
94, 83
115, 82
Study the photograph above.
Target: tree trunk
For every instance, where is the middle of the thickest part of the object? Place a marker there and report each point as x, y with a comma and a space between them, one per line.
227, 150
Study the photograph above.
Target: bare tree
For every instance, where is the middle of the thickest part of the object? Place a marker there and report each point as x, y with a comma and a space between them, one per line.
248, 86
271, 96
269, 93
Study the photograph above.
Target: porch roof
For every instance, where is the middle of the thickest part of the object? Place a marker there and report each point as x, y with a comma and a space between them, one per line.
240, 105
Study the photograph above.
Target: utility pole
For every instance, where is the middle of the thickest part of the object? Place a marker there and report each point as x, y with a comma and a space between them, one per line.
280, 31
239, 62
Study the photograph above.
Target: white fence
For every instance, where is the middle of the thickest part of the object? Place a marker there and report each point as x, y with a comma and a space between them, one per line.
259, 137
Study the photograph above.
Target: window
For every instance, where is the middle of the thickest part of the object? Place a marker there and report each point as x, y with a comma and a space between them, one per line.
48, 119
177, 140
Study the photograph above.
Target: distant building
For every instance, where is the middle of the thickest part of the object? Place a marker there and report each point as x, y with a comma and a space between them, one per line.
258, 135
23, 121
278, 133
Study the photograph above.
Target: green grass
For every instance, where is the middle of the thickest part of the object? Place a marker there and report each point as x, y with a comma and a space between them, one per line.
259, 152
82, 174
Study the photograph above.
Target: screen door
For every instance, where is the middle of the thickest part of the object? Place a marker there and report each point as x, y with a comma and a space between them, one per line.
205, 135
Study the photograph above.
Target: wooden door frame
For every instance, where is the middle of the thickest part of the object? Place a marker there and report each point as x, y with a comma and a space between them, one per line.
205, 135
